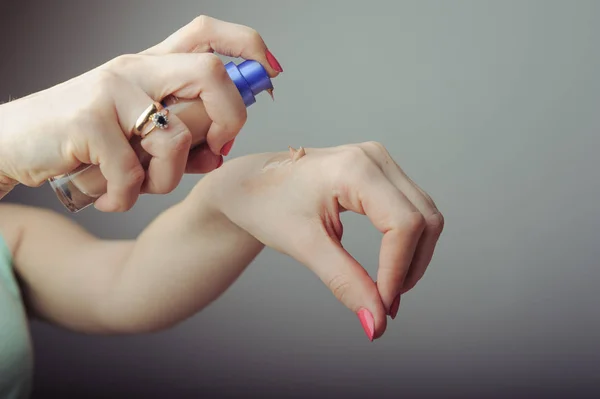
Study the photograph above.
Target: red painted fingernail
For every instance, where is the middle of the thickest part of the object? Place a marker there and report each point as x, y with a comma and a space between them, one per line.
220, 163
273, 61
227, 147
368, 323
394, 307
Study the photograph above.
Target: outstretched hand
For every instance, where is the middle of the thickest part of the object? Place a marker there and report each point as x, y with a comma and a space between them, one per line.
291, 202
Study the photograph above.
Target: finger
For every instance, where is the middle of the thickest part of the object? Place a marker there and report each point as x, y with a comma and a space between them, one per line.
421, 200
169, 149
202, 160
344, 276
189, 76
205, 34
434, 225
424, 252
122, 169
395, 216
112, 149
434, 221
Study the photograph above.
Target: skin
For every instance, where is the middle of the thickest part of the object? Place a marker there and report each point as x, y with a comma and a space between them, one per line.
195, 250
98, 110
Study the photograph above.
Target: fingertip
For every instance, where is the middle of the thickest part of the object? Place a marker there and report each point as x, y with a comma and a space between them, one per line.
202, 160
264, 61
380, 314
380, 323
218, 139
373, 321
367, 322
273, 62
100, 205
270, 71
106, 203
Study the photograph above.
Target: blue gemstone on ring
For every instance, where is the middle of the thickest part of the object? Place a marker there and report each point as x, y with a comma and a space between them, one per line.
160, 120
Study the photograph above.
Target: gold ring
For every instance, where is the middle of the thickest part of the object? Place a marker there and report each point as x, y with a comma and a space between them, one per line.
155, 114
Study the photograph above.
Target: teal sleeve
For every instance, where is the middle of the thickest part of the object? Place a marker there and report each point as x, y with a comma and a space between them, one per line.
6, 269
16, 350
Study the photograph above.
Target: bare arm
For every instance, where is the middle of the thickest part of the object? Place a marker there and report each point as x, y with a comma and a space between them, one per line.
191, 253
178, 265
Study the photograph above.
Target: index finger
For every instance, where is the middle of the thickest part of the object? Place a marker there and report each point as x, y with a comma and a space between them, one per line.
401, 223
206, 34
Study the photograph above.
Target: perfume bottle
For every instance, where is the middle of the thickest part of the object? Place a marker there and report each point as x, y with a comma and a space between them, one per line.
81, 187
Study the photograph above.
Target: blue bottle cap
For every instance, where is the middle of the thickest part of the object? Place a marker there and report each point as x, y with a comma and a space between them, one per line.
250, 78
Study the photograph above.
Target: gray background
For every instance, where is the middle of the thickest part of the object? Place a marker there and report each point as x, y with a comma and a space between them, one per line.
492, 107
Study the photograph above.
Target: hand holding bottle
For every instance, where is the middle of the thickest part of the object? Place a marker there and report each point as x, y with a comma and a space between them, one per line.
89, 119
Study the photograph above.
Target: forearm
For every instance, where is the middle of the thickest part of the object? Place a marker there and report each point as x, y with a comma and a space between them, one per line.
182, 262
179, 264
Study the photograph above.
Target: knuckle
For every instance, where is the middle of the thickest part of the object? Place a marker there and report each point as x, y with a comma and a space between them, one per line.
212, 65
103, 84
339, 286
377, 146
201, 24
436, 223
414, 222
182, 142
253, 36
353, 154
378, 151
356, 160
350, 164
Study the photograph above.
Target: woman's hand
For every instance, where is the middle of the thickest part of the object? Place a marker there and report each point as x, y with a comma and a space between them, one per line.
292, 202
90, 118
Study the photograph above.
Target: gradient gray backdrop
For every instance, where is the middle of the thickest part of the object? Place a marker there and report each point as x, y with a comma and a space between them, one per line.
493, 107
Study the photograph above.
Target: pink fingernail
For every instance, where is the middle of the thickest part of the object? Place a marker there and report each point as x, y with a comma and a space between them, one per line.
394, 307
367, 322
227, 147
220, 163
273, 61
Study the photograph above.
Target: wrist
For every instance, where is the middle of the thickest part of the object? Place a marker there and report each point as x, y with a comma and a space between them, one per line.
14, 141
204, 205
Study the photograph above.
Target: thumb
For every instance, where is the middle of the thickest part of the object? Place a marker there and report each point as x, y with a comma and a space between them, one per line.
346, 278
